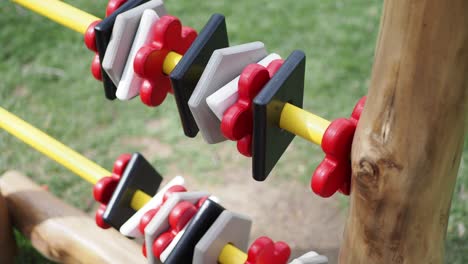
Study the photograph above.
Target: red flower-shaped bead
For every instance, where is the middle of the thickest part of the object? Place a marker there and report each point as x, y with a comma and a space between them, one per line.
148, 216
167, 35
105, 187
264, 251
90, 42
90, 38
334, 172
113, 5
237, 122
178, 219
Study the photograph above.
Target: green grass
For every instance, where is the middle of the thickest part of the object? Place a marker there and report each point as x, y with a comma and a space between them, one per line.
27, 254
45, 79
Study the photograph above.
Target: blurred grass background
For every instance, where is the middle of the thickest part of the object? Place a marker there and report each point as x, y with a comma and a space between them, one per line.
45, 79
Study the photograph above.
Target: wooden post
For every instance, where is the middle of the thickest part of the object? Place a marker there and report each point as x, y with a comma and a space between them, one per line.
60, 232
7, 242
409, 140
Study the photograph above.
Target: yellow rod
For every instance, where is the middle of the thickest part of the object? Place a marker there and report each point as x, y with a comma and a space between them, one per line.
139, 199
232, 255
170, 62
62, 154
50, 147
61, 13
303, 123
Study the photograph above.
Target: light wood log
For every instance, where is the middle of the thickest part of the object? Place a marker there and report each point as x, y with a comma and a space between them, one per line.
61, 232
409, 140
7, 241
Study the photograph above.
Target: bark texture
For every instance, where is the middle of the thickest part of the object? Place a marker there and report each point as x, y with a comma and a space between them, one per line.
407, 147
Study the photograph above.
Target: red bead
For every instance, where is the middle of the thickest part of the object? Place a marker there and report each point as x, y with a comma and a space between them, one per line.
113, 5
181, 215
146, 218
346, 187
161, 243
334, 172
335, 169
154, 94
237, 121
178, 218
244, 146
90, 41
121, 163
90, 36
274, 67
201, 201
167, 35
99, 219
104, 188
356, 114
264, 251
147, 60
143, 249
96, 68
173, 189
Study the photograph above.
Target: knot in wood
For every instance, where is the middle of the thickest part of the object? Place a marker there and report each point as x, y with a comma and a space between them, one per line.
366, 175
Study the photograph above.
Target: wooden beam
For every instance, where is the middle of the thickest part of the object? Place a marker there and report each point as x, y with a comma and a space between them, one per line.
61, 232
7, 241
409, 140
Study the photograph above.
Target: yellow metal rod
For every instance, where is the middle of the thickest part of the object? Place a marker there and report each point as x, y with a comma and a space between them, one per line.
303, 123
62, 154
232, 255
61, 13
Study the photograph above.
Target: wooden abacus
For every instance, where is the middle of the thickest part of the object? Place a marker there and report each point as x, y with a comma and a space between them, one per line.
381, 161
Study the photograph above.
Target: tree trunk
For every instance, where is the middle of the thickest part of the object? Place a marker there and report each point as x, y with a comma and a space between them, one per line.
409, 140
7, 242
60, 232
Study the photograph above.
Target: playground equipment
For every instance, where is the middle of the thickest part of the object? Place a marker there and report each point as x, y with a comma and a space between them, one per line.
263, 108
175, 58
129, 188
134, 176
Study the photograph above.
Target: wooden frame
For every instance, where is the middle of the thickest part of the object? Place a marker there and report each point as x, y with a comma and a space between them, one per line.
405, 156
409, 140
7, 241
59, 231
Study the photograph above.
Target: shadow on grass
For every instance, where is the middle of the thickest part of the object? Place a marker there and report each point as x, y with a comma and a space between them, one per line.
454, 246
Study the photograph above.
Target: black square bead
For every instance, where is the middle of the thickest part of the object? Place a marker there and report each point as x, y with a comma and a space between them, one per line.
138, 175
187, 73
269, 140
195, 230
103, 32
